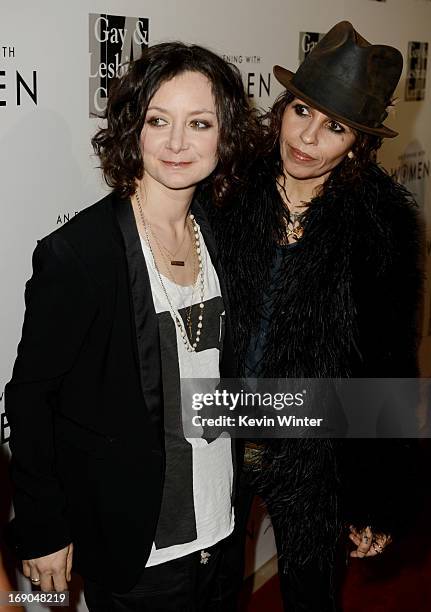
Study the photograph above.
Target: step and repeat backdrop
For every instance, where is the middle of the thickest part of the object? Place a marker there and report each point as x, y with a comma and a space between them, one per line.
56, 60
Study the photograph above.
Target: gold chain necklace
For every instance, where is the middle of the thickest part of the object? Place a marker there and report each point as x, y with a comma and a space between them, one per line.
171, 274
173, 260
190, 346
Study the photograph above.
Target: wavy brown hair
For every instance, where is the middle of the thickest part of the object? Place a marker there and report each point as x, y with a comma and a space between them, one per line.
364, 148
117, 144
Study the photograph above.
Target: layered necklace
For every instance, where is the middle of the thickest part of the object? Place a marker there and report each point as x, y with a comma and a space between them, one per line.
163, 250
294, 227
168, 257
190, 344
294, 221
173, 259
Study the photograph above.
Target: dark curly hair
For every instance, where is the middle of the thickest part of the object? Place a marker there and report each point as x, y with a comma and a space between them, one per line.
364, 148
117, 144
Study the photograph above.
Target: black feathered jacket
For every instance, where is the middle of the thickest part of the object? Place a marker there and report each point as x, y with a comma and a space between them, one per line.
347, 307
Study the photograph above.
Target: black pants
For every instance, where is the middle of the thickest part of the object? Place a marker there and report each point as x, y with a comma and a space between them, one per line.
181, 585
303, 589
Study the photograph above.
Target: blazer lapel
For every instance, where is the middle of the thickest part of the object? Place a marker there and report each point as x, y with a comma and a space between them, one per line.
142, 312
228, 367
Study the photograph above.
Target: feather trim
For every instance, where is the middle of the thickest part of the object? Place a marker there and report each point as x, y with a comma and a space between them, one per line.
340, 312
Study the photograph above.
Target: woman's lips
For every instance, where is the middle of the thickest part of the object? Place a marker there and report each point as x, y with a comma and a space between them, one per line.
300, 156
175, 164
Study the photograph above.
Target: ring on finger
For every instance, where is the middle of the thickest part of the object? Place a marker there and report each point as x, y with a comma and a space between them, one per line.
35, 580
377, 547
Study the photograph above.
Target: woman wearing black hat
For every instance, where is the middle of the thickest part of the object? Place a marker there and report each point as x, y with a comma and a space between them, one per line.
322, 259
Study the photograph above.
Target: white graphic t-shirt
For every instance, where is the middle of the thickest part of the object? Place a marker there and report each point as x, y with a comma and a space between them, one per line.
196, 510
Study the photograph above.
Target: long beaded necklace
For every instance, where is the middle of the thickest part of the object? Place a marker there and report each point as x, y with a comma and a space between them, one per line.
190, 346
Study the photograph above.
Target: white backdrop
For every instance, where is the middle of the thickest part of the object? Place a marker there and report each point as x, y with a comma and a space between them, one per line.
47, 169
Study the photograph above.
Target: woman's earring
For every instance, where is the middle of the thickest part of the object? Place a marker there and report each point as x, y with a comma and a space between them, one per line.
350, 155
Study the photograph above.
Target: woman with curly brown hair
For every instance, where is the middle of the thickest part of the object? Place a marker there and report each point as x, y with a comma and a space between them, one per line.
100, 461
321, 255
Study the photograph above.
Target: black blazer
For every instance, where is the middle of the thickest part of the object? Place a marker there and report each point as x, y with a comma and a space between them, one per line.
85, 401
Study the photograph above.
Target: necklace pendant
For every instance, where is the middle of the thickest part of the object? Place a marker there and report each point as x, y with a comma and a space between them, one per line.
177, 262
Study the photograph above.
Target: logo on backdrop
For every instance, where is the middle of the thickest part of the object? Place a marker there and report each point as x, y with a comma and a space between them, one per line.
413, 170
113, 41
307, 42
4, 426
18, 85
257, 83
416, 70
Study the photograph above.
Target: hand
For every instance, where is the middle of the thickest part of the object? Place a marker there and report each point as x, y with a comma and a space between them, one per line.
52, 572
368, 544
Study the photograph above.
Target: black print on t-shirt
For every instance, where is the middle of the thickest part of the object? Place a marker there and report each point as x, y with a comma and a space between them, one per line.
177, 520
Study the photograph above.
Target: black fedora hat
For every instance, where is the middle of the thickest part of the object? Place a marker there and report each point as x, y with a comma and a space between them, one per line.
347, 78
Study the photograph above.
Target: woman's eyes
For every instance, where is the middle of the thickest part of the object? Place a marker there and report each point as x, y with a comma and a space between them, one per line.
303, 111
196, 124
200, 125
156, 121
334, 126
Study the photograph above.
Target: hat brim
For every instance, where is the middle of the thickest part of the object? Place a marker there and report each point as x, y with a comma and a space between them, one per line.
285, 76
